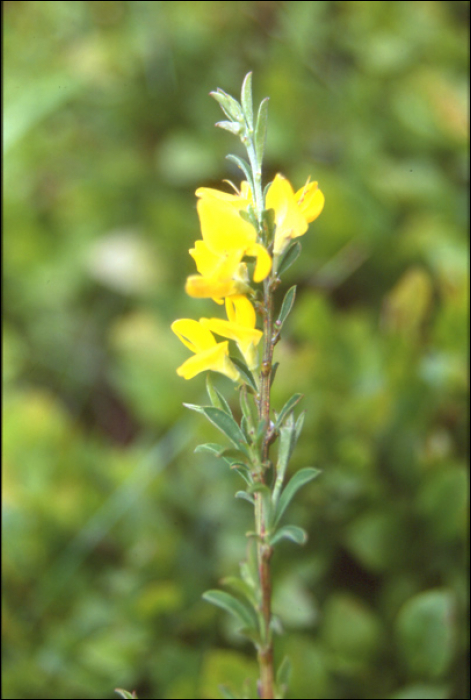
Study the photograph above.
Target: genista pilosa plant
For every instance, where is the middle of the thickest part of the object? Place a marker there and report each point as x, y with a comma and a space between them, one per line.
249, 238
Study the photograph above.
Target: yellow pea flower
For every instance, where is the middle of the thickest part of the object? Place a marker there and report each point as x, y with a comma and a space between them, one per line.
293, 211
225, 232
239, 327
227, 239
209, 355
310, 201
240, 200
220, 275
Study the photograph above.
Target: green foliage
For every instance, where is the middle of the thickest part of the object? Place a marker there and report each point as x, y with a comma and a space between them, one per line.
113, 528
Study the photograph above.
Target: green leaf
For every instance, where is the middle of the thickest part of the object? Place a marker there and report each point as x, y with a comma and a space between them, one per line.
283, 675
244, 166
285, 450
261, 129
289, 532
302, 477
126, 694
228, 694
265, 495
223, 422
268, 220
245, 496
243, 472
233, 456
286, 307
211, 447
273, 372
229, 105
249, 567
245, 372
242, 612
216, 398
290, 256
234, 127
246, 99
260, 432
195, 407
247, 408
249, 216
299, 424
241, 586
230, 455
287, 408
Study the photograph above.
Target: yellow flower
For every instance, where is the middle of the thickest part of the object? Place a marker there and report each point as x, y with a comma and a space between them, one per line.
310, 201
240, 327
208, 353
240, 200
293, 211
227, 239
220, 275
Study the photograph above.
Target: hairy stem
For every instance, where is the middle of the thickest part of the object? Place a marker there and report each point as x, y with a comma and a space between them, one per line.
264, 550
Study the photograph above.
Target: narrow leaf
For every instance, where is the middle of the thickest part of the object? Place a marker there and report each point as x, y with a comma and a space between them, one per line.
265, 495
243, 495
246, 407
233, 455
285, 450
249, 567
243, 472
289, 532
302, 477
228, 104
287, 408
283, 675
261, 129
244, 166
126, 694
211, 447
246, 100
242, 612
245, 372
233, 127
290, 256
260, 433
273, 372
216, 398
299, 424
194, 407
249, 216
241, 586
226, 424
286, 307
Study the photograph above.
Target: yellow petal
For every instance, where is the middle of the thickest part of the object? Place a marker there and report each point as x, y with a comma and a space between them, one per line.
262, 263
222, 228
215, 358
192, 334
240, 199
310, 201
241, 311
206, 261
289, 220
240, 327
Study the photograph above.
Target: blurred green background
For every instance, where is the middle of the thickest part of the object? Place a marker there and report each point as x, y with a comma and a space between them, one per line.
112, 527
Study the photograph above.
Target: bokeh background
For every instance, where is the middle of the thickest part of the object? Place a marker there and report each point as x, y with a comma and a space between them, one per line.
112, 527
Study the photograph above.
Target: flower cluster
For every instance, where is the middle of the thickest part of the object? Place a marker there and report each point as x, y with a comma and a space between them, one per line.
230, 233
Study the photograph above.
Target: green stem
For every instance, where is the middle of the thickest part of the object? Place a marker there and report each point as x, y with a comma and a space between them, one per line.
264, 550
